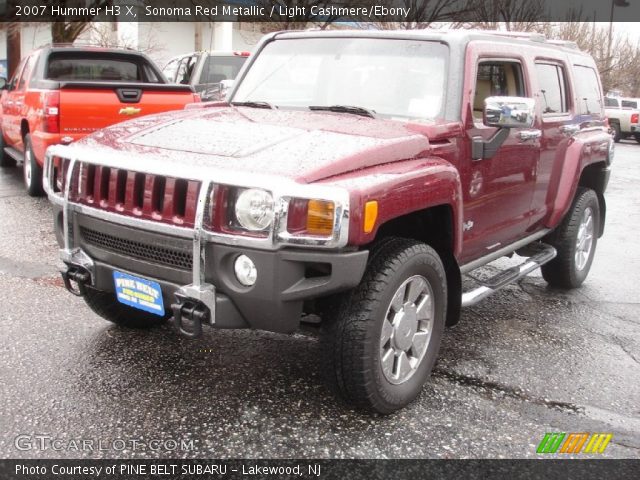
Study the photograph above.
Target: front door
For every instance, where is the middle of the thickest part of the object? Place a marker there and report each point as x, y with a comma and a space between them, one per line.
497, 191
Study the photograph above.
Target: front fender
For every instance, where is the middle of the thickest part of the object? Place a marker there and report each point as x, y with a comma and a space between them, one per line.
402, 188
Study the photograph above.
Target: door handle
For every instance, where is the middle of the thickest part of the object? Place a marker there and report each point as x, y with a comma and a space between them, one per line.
570, 130
526, 135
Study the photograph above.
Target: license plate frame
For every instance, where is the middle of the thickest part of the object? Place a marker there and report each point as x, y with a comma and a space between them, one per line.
139, 293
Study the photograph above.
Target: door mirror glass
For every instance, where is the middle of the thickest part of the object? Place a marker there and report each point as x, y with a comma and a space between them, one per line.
509, 112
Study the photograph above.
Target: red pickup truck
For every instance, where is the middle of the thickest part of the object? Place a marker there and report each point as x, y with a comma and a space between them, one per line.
357, 176
59, 94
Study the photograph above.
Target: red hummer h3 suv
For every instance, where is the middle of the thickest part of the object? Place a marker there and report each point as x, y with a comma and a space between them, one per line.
354, 175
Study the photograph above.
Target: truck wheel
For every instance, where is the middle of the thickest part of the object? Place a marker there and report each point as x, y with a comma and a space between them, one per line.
617, 134
106, 305
386, 335
32, 171
5, 160
637, 137
575, 240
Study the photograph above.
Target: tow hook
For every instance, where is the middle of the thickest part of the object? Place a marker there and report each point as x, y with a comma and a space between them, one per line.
79, 276
189, 313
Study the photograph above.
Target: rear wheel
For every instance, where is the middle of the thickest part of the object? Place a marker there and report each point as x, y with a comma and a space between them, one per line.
386, 335
575, 240
617, 134
106, 305
5, 160
31, 170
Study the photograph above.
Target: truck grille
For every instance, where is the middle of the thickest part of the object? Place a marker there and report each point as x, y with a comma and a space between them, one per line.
136, 194
143, 251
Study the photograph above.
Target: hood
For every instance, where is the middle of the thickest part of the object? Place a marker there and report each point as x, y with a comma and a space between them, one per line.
305, 146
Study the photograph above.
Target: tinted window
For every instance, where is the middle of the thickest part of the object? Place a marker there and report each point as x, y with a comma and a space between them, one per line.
629, 104
74, 66
610, 102
552, 88
588, 91
217, 69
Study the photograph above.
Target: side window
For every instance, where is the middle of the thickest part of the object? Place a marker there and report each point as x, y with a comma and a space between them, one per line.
185, 70
26, 72
170, 70
553, 88
497, 78
589, 96
610, 102
628, 104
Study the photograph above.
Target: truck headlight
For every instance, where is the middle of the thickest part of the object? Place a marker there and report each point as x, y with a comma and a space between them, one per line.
254, 209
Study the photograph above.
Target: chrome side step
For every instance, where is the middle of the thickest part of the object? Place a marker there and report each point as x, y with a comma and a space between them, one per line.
542, 253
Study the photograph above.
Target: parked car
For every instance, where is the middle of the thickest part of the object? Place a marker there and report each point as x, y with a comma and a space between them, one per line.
624, 117
59, 94
206, 71
358, 181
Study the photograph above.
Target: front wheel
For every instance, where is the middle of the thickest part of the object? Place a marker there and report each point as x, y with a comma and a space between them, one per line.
31, 170
386, 334
575, 240
617, 134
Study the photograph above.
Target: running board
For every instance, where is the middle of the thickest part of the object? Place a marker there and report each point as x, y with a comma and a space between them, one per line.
17, 155
542, 253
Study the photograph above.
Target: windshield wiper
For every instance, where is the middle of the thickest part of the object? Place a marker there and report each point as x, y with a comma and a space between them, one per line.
253, 104
365, 112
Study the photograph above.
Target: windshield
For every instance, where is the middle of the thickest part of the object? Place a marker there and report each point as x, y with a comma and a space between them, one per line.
393, 78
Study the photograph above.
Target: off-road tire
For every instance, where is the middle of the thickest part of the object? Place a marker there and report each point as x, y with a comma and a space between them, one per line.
353, 332
617, 133
5, 160
562, 271
106, 305
32, 172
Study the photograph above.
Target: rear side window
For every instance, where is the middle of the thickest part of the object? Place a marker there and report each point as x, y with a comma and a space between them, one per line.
610, 102
589, 96
629, 104
217, 69
553, 88
76, 66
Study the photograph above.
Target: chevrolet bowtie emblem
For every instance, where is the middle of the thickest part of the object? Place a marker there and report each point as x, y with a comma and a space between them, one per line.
129, 111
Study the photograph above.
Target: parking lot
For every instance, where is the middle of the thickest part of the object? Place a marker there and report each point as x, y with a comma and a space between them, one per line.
527, 361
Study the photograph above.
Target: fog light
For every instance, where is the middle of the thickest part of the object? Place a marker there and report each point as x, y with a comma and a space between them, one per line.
245, 269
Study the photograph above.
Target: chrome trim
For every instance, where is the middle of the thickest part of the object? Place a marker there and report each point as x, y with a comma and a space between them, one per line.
205, 293
282, 189
506, 250
78, 257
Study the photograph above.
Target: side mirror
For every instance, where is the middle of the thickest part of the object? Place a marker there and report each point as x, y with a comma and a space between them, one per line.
509, 112
3, 83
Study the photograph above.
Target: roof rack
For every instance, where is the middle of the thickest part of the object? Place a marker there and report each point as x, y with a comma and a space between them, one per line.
564, 43
533, 36
81, 45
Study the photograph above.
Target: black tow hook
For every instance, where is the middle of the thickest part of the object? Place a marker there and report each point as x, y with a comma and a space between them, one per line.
191, 314
79, 276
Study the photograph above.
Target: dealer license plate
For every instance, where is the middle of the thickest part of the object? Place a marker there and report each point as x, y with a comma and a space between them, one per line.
139, 293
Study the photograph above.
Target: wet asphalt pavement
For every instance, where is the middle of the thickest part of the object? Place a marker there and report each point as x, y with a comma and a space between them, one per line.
528, 360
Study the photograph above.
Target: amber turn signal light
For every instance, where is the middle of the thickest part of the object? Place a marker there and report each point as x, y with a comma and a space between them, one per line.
370, 216
320, 217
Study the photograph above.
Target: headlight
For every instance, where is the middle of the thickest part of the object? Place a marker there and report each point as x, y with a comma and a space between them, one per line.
254, 209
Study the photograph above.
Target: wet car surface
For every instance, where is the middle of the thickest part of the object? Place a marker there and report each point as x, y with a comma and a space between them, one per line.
527, 361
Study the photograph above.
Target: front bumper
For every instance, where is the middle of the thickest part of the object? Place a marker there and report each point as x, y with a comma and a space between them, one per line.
286, 278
